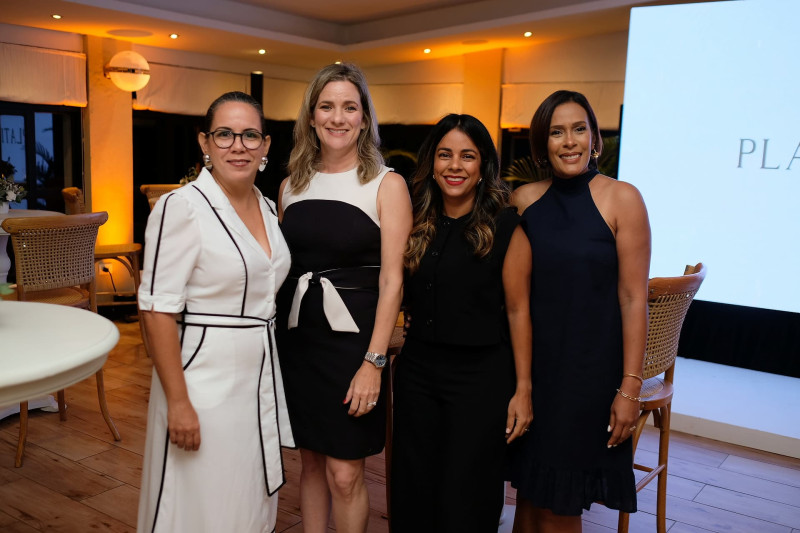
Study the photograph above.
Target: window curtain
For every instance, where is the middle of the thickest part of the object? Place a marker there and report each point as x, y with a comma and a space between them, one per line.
283, 98
33, 75
186, 91
416, 103
520, 100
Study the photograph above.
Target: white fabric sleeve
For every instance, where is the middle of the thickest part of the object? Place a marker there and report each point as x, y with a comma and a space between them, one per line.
172, 246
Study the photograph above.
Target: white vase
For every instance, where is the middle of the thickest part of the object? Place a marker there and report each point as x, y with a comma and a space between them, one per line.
3, 208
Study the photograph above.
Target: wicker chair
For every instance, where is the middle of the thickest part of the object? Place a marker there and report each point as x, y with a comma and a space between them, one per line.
668, 300
154, 191
55, 264
126, 254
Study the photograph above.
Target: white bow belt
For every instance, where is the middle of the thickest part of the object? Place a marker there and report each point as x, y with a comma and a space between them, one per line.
273, 419
336, 311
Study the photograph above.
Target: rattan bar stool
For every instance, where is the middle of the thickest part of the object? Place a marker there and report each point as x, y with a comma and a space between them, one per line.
668, 300
126, 254
154, 191
54, 258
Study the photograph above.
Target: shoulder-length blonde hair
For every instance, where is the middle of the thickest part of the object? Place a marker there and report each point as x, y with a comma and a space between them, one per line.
305, 157
491, 193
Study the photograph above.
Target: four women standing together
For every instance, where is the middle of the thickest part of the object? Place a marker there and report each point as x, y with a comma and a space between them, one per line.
512, 327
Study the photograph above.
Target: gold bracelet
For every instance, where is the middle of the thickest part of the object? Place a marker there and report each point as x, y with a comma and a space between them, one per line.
629, 397
633, 376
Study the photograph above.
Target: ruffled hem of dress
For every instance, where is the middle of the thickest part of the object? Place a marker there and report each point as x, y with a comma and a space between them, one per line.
568, 492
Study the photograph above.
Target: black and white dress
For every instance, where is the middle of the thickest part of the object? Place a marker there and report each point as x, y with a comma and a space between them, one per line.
327, 311
203, 264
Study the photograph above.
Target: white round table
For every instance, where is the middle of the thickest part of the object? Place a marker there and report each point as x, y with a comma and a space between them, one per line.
48, 347
5, 262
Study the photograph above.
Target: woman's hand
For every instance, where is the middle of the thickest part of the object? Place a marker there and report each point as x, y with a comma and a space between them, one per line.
520, 415
182, 422
365, 387
183, 425
624, 414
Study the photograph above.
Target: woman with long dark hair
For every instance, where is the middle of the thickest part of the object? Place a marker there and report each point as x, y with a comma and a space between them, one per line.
462, 387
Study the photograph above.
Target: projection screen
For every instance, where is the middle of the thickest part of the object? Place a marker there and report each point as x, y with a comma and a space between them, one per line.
711, 137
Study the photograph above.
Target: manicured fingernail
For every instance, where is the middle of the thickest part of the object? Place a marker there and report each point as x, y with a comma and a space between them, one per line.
609, 446
609, 430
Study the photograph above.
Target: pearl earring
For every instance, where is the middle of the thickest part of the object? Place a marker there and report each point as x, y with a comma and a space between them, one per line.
207, 161
263, 165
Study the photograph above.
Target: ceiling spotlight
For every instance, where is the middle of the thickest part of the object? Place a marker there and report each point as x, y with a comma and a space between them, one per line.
337, 62
426, 51
257, 72
527, 34
173, 35
262, 51
57, 17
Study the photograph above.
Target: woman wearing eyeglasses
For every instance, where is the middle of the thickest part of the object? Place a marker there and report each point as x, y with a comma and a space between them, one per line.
214, 260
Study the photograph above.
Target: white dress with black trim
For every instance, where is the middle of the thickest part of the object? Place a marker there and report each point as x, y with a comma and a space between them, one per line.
202, 264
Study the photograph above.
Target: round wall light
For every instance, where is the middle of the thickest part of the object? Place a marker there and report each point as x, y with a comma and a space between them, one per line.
128, 70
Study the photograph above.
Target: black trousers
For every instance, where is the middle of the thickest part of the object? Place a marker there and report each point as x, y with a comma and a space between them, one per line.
448, 452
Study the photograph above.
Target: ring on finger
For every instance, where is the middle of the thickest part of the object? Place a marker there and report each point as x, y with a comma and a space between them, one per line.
633, 427
372, 404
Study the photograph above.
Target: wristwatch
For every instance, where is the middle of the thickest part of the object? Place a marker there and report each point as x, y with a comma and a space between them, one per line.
377, 359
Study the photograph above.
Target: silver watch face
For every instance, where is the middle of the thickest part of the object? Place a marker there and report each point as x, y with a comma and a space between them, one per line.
376, 359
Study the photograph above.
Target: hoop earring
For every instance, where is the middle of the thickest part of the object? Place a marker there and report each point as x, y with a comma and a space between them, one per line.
595, 153
207, 162
263, 165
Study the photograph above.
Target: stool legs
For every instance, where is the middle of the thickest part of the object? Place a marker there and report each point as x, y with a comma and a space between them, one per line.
101, 397
136, 281
663, 456
23, 433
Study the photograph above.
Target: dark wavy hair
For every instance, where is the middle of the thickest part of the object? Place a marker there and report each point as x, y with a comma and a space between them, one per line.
540, 126
491, 193
233, 96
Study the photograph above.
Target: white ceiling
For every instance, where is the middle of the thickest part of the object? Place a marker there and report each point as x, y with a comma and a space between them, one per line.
312, 33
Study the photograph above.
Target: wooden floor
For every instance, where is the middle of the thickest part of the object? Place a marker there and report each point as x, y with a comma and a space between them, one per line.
77, 479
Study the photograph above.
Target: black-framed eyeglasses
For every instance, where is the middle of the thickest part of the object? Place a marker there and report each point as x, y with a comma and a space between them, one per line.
224, 138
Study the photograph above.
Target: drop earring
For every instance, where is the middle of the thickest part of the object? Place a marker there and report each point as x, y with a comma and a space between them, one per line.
207, 162
263, 165
595, 153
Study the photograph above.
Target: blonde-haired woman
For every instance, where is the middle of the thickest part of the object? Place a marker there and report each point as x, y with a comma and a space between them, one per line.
346, 218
